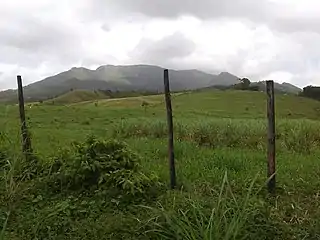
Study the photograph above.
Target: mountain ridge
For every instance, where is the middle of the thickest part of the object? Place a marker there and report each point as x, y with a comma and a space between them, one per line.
138, 77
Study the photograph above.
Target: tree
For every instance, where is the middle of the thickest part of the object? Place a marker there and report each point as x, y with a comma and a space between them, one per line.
311, 92
245, 83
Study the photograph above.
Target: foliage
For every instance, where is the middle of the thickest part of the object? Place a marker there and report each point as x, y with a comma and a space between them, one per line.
311, 92
100, 164
244, 84
214, 131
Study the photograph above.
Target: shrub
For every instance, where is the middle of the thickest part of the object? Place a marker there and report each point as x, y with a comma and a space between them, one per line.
100, 164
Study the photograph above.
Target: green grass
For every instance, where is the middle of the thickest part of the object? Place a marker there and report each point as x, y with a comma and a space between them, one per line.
76, 96
220, 152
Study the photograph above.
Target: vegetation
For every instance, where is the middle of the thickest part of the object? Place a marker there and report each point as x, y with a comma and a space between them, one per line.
311, 92
99, 169
75, 96
246, 84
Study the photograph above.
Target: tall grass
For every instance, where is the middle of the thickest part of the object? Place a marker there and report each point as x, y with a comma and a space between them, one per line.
226, 219
302, 136
11, 180
9, 188
4, 226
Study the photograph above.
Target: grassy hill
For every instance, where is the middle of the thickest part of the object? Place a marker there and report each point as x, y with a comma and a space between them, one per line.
77, 96
104, 190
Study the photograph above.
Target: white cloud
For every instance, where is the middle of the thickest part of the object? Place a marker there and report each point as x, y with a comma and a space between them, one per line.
257, 39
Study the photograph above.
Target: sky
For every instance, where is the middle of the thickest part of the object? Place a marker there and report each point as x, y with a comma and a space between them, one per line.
258, 39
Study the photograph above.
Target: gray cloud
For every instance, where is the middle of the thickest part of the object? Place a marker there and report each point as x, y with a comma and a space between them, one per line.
164, 50
6, 83
106, 27
294, 25
301, 56
28, 39
204, 9
38, 35
258, 11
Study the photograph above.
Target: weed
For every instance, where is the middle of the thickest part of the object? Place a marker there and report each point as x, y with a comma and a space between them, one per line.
100, 164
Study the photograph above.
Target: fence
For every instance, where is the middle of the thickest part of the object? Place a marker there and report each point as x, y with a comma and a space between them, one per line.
271, 153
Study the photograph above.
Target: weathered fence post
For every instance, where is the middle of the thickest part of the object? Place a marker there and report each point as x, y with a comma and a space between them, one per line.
271, 137
170, 130
26, 141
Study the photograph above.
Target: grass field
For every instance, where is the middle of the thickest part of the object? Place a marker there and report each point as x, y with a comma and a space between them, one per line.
76, 96
220, 151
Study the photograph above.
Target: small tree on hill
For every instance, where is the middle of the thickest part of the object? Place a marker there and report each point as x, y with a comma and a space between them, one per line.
243, 85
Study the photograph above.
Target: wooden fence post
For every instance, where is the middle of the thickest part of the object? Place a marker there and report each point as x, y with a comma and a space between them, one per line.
170, 130
26, 141
271, 137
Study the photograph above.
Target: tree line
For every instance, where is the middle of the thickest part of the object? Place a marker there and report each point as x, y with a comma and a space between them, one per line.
311, 92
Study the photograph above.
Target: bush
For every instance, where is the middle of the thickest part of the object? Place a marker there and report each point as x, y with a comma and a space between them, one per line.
100, 164
91, 179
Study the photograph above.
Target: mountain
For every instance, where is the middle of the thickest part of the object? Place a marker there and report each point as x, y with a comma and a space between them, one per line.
291, 88
226, 78
139, 78
284, 87
118, 78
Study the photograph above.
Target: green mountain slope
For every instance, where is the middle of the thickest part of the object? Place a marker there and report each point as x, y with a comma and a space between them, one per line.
284, 87
76, 96
117, 78
146, 78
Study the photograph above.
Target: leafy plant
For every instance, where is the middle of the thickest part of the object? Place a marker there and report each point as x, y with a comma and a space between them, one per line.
100, 164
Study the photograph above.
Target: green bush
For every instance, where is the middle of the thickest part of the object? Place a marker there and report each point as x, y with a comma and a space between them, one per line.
100, 164
81, 182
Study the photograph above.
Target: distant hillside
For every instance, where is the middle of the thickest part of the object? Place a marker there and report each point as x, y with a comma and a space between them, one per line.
226, 78
137, 78
76, 96
284, 87
261, 86
118, 78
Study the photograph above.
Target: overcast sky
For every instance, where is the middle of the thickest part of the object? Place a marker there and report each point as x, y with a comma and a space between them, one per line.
259, 39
